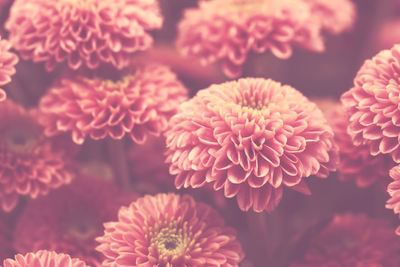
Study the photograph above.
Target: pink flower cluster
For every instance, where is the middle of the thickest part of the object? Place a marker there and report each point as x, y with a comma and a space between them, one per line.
83, 33
138, 104
227, 31
251, 138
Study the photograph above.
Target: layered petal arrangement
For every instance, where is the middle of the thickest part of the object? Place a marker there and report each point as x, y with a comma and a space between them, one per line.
394, 192
353, 240
7, 62
44, 258
69, 219
356, 163
82, 33
169, 230
30, 164
335, 16
227, 31
138, 104
373, 104
251, 138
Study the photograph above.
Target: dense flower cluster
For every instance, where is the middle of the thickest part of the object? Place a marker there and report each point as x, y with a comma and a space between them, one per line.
353, 240
83, 33
227, 31
394, 192
138, 104
372, 104
44, 258
169, 230
251, 138
30, 164
356, 163
7, 63
69, 219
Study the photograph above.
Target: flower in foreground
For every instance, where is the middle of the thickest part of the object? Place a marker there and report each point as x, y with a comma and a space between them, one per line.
251, 138
356, 163
44, 258
353, 240
30, 164
227, 31
138, 104
169, 230
82, 33
7, 62
394, 192
68, 219
373, 104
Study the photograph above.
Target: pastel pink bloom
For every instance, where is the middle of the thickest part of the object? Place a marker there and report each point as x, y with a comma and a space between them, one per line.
138, 104
30, 164
82, 33
251, 138
335, 16
356, 163
227, 31
352, 240
169, 230
7, 62
372, 104
44, 258
394, 192
69, 219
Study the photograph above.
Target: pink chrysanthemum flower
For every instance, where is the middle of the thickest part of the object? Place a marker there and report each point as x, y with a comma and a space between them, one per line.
353, 240
394, 192
44, 258
373, 104
335, 16
30, 164
138, 104
7, 62
250, 137
83, 33
227, 31
169, 230
356, 163
69, 219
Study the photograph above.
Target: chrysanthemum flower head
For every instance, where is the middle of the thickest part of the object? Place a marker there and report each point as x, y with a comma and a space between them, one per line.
251, 138
356, 163
44, 258
227, 31
169, 230
353, 240
30, 164
394, 192
138, 104
7, 62
373, 104
82, 33
68, 219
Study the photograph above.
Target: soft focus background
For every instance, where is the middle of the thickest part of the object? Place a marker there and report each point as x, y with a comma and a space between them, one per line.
281, 236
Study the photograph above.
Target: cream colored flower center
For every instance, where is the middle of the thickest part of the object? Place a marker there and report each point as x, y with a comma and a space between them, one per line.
172, 240
20, 139
82, 227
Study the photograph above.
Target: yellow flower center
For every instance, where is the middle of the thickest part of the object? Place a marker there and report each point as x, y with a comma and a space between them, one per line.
172, 240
